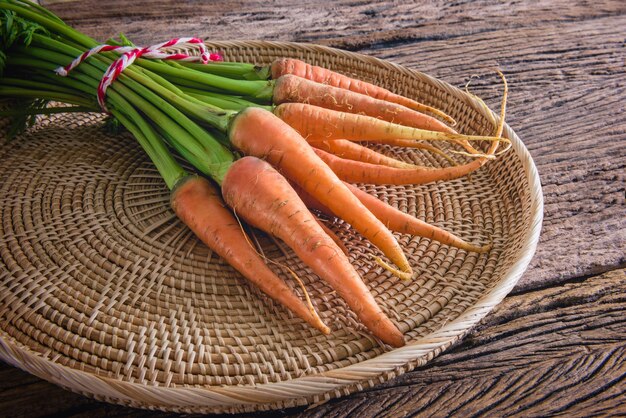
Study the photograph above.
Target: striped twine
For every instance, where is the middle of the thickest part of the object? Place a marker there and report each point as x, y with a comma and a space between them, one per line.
130, 54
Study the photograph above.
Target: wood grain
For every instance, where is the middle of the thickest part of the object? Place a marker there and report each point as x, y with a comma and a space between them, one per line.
556, 351
558, 346
564, 62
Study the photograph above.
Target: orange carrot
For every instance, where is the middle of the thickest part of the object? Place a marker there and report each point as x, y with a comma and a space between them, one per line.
399, 221
334, 237
360, 172
293, 89
317, 123
408, 143
258, 132
265, 199
396, 220
351, 151
284, 66
199, 205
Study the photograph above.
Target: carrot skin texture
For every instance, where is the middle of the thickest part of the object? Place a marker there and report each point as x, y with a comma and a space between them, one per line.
293, 89
352, 151
320, 124
410, 143
199, 205
360, 172
396, 220
321, 75
266, 200
334, 237
260, 133
399, 221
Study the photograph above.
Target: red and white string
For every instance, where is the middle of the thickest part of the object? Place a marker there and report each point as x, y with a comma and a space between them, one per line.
129, 54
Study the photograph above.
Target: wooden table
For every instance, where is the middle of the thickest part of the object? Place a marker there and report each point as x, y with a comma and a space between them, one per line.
557, 344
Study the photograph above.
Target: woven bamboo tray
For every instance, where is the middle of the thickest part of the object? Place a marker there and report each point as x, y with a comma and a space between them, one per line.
105, 293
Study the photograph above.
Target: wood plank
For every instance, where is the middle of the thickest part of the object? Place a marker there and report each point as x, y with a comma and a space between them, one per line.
349, 24
557, 351
565, 69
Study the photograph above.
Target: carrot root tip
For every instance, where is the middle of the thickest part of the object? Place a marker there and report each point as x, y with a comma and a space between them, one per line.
486, 248
403, 275
319, 323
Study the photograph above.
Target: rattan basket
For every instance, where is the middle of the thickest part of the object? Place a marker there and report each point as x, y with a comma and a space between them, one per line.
105, 293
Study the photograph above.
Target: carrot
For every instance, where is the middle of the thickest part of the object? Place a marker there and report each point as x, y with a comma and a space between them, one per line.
199, 205
350, 150
396, 220
259, 133
299, 68
293, 89
264, 198
334, 237
409, 143
399, 221
316, 123
360, 172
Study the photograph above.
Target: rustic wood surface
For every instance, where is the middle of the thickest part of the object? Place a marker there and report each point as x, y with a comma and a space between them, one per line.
557, 346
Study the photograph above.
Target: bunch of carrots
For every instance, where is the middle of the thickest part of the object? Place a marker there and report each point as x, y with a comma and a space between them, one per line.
269, 144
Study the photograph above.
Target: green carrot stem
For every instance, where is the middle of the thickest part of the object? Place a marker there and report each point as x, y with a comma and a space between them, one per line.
200, 143
203, 145
43, 94
182, 82
232, 70
33, 84
200, 112
258, 89
141, 83
222, 101
147, 94
168, 168
206, 113
53, 25
46, 111
41, 9
152, 104
201, 164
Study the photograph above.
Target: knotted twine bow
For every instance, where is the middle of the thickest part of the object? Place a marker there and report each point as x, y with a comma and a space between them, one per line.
130, 54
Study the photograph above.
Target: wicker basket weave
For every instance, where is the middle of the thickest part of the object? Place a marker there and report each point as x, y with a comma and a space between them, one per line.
105, 293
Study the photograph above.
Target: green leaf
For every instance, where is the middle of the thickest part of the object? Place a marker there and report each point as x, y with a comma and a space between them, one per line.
125, 41
21, 123
3, 62
15, 30
112, 126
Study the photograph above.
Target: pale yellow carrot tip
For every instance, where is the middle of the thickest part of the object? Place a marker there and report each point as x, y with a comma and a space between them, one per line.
485, 248
503, 105
322, 327
475, 155
505, 150
325, 330
437, 151
436, 112
500, 124
403, 275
